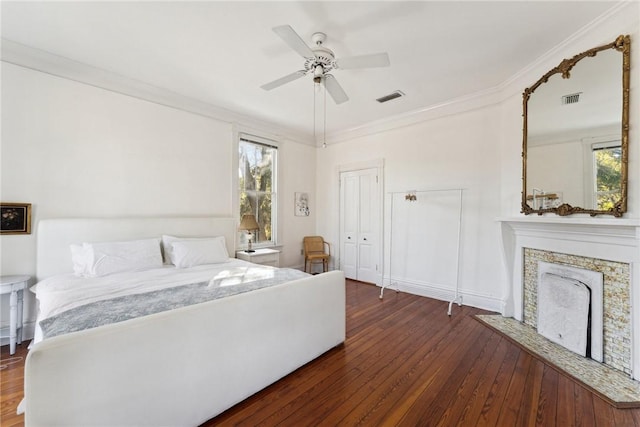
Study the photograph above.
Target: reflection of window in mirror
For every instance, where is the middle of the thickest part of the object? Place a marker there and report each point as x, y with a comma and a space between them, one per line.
607, 169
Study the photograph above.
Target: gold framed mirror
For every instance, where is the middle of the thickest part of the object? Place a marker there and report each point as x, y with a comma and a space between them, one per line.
575, 144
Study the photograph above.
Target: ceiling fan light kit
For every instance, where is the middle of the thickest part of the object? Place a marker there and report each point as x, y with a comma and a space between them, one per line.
320, 60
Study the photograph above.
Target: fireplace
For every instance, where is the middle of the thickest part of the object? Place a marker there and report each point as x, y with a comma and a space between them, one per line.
616, 308
610, 248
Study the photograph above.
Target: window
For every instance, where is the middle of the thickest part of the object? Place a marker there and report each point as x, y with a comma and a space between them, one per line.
257, 183
607, 167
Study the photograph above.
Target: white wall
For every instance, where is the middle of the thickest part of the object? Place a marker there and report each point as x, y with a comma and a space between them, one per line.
559, 168
476, 144
297, 174
458, 151
75, 150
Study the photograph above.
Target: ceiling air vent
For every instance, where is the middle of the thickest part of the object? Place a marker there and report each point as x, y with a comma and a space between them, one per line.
571, 98
392, 95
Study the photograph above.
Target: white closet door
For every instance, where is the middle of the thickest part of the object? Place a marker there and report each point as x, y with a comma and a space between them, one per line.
360, 225
349, 211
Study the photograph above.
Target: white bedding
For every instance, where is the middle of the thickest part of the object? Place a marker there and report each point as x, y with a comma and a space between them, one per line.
60, 293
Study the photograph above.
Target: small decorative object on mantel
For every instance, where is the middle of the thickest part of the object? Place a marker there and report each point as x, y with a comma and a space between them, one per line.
302, 204
15, 218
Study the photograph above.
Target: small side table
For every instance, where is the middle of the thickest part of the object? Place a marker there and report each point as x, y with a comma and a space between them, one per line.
15, 285
261, 256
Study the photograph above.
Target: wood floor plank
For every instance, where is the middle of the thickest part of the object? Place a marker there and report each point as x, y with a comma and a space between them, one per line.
548, 398
12, 384
603, 412
396, 393
494, 402
359, 406
405, 363
584, 416
565, 403
531, 394
513, 398
431, 402
463, 394
472, 411
623, 417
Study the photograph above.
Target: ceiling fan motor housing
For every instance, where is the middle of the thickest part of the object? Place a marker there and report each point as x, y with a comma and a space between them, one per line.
324, 60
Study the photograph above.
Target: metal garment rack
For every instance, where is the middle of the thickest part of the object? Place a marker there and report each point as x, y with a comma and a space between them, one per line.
412, 196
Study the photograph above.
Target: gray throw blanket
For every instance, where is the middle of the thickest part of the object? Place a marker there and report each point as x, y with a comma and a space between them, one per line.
131, 306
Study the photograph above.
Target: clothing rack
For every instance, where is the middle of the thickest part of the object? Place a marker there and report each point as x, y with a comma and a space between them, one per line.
411, 196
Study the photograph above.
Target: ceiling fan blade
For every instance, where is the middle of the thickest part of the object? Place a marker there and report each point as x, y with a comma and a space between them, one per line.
335, 90
294, 41
283, 80
364, 61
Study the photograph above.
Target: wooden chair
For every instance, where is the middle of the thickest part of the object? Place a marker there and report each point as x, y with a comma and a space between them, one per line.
314, 251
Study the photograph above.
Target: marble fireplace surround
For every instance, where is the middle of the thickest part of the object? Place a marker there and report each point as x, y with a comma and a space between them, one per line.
607, 239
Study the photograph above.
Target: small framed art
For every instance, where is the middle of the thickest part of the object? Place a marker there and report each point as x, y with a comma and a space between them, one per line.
302, 204
15, 218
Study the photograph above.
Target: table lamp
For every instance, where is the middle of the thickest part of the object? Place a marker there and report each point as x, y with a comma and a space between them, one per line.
249, 224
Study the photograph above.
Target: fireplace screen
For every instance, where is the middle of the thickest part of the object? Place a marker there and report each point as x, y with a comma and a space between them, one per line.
563, 311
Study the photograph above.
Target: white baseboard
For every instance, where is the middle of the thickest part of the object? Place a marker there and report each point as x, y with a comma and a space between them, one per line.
445, 293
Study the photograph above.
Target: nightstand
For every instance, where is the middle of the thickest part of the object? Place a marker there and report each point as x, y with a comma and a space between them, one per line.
14, 285
261, 256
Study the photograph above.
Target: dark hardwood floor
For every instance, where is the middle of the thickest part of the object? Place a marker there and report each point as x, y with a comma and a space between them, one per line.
11, 384
405, 362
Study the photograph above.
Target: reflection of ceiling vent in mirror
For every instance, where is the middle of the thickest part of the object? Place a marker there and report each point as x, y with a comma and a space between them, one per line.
393, 95
571, 98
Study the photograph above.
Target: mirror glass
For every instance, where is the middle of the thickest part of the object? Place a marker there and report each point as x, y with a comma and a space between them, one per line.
576, 135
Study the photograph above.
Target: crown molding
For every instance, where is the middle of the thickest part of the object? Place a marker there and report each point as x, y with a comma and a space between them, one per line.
458, 105
621, 18
59, 66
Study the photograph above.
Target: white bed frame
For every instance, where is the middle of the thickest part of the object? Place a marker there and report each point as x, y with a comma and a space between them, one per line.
181, 367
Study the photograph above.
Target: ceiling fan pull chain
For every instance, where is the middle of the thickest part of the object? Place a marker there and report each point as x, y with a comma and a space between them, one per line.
324, 129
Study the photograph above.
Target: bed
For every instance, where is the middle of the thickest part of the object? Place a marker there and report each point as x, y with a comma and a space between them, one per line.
179, 367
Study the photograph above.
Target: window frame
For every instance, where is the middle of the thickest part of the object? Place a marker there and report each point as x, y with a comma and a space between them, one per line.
251, 138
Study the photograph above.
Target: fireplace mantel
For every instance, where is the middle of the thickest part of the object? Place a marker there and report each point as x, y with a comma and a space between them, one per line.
613, 239
607, 239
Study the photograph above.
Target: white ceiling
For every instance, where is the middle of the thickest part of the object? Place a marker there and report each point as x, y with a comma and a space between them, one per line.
221, 53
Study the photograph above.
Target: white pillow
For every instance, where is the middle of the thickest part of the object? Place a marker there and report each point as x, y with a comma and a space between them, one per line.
168, 241
189, 253
116, 257
167, 247
81, 259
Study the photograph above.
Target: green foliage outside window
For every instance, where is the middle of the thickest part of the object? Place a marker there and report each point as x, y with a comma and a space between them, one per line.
608, 176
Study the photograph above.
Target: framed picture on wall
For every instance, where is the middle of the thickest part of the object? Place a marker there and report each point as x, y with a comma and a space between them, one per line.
302, 204
15, 218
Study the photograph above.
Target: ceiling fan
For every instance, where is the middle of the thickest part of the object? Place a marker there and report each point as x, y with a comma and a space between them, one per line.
319, 61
